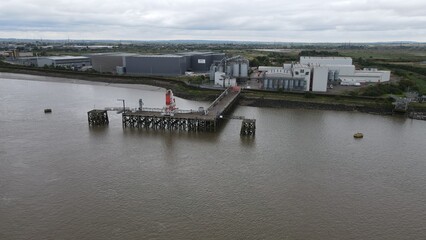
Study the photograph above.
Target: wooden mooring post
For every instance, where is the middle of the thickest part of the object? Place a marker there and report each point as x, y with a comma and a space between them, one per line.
97, 117
248, 127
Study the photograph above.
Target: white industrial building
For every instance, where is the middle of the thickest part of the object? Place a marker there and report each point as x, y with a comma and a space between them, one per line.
317, 73
365, 75
222, 80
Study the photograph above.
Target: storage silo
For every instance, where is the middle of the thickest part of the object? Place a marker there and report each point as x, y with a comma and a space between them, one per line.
220, 68
213, 69
236, 69
244, 70
229, 70
265, 83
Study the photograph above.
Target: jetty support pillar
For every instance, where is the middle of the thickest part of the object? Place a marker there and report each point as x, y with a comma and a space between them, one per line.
97, 117
248, 127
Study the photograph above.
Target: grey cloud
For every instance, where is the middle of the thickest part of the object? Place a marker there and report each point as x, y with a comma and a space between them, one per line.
189, 19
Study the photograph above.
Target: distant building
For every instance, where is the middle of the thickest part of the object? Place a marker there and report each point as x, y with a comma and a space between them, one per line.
64, 61
15, 54
91, 47
27, 61
316, 73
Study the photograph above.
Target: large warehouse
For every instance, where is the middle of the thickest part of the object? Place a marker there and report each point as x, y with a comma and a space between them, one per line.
155, 65
166, 64
108, 62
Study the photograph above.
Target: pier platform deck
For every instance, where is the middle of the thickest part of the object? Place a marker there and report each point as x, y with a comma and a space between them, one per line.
190, 120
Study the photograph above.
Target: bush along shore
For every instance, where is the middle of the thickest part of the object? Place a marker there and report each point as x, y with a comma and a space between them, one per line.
256, 98
294, 104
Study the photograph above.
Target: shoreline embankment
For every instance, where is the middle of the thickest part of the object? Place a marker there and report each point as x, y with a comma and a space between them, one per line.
190, 92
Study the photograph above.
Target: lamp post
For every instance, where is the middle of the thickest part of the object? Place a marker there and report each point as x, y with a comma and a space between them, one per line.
124, 104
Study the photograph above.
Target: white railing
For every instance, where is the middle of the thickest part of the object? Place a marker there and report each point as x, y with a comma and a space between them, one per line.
159, 110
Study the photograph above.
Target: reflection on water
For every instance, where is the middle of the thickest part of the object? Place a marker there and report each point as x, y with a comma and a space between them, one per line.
303, 176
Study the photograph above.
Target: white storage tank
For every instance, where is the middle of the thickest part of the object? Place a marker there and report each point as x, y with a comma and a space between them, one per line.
213, 69
229, 70
244, 70
236, 69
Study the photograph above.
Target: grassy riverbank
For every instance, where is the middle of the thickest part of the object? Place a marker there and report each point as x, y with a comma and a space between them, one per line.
317, 101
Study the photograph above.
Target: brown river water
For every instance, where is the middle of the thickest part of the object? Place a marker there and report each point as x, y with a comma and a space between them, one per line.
303, 176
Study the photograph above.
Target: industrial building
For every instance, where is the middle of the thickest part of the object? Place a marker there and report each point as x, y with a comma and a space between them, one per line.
164, 65
201, 61
341, 69
365, 75
64, 61
109, 62
290, 78
326, 60
27, 61
160, 65
317, 73
226, 71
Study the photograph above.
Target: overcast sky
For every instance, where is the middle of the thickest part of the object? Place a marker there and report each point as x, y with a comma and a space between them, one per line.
246, 20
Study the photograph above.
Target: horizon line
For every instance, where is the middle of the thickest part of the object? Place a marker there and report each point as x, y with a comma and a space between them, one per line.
209, 40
